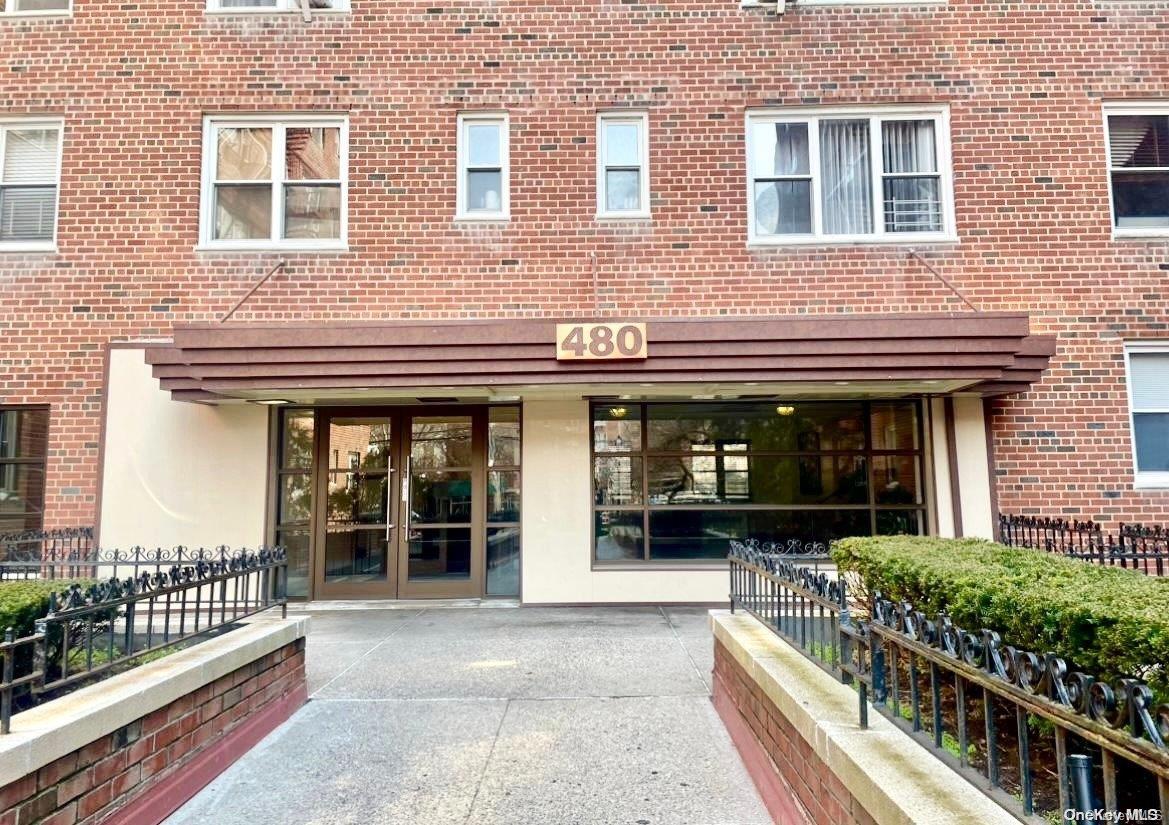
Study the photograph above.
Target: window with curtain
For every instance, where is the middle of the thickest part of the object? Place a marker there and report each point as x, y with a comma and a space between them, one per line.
24, 444
29, 181
274, 183
1138, 165
1148, 384
843, 175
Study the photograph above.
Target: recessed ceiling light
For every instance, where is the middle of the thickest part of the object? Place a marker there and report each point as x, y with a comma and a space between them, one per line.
271, 402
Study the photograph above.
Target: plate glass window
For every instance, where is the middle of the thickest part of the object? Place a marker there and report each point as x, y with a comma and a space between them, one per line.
278, 183
483, 167
1138, 159
24, 441
29, 181
1149, 389
623, 174
845, 176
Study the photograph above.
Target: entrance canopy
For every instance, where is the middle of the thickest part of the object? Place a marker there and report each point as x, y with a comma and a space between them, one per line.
980, 353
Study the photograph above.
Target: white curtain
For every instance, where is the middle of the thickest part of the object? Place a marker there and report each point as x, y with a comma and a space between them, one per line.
909, 146
845, 175
912, 194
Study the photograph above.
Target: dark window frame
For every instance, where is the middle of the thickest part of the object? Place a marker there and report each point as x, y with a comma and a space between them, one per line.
40, 461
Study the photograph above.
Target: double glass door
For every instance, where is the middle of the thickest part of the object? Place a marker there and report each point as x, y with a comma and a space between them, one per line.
400, 504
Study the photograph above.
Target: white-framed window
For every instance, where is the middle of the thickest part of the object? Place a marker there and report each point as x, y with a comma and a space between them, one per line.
22, 8
872, 175
30, 178
275, 182
275, 6
482, 189
623, 165
1138, 168
1147, 367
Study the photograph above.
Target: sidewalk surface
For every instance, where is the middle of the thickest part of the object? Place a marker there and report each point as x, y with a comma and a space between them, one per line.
506, 715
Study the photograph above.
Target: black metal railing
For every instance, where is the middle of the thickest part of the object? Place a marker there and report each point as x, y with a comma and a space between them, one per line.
1133, 546
65, 562
1025, 727
37, 546
95, 629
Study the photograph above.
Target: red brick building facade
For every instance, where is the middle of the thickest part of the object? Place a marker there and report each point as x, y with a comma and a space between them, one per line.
1024, 86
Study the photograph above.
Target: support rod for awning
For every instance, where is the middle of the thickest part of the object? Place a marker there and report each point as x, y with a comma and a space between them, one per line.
913, 253
252, 291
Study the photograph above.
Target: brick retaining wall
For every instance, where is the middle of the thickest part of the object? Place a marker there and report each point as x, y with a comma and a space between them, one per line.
145, 770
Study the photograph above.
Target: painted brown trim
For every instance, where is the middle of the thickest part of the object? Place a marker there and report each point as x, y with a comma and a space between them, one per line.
952, 458
988, 424
167, 796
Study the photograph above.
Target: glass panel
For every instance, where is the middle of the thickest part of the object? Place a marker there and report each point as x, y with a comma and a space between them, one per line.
743, 479
355, 555
313, 153
622, 144
704, 534
1138, 140
244, 154
908, 146
779, 150
368, 437
503, 495
483, 144
896, 479
503, 437
622, 190
357, 498
312, 212
30, 155
296, 446
503, 561
484, 191
807, 427
898, 522
296, 498
243, 212
617, 428
1141, 199
617, 480
24, 433
894, 426
619, 535
27, 213
783, 207
1149, 380
42, 5
440, 496
296, 543
1151, 431
22, 495
846, 188
437, 443
913, 205
440, 553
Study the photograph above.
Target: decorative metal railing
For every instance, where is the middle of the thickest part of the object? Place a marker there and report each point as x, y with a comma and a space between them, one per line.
1134, 546
95, 629
34, 547
1025, 727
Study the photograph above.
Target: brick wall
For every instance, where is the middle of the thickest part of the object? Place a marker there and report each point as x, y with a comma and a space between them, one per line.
133, 81
815, 794
92, 784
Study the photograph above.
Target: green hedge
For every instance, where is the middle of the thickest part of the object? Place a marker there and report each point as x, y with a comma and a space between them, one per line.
23, 602
1106, 621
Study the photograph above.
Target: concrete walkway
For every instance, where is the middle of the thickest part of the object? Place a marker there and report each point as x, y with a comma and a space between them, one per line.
505, 716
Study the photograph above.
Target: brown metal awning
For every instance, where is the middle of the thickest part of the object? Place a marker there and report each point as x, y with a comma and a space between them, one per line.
987, 353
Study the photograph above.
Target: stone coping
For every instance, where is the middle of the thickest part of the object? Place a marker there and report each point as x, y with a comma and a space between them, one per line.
895, 779
54, 729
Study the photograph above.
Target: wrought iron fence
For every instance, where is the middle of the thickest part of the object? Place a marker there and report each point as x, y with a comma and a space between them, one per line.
95, 629
1133, 546
80, 561
30, 549
1029, 730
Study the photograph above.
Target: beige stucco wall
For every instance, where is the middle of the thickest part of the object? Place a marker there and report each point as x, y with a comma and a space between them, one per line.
973, 467
942, 507
557, 523
179, 473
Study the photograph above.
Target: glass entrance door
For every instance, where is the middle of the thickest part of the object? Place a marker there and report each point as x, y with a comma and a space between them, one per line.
442, 505
355, 506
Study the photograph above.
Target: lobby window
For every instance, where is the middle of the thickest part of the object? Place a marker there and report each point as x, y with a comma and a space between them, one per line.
24, 445
503, 501
35, 7
274, 183
623, 165
30, 169
1148, 389
294, 494
244, 6
849, 176
482, 188
1138, 166
674, 482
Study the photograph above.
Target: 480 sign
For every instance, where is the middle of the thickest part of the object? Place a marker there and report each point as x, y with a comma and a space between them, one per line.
598, 342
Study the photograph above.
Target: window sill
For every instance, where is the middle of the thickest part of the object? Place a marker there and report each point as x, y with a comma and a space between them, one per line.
623, 217
28, 247
1151, 481
829, 240
1140, 235
481, 220
244, 12
236, 249
36, 15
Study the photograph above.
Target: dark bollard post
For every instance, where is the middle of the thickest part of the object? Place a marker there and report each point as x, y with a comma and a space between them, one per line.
1080, 775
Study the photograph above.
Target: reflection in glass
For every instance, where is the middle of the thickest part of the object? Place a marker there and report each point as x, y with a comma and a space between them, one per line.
617, 480
811, 427
503, 561
503, 495
244, 154
243, 212
622, 190
313, 153
357, 498
440, 497
503, 437
894, 426
727, 478
22, 497
484, 191
896, 479
438, 443
368, 437
355, 555
704, 534
312, 212
296, 444
898, 522
622, 144
617, 428
295, 542
440, 553
619, 535
296, 498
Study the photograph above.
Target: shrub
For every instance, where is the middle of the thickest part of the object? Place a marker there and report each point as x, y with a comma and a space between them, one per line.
23, 602
1106, 621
